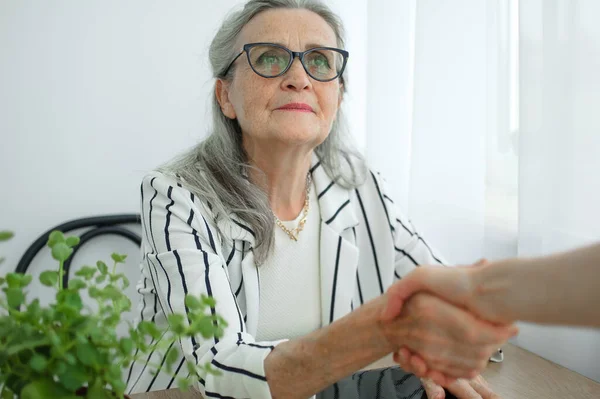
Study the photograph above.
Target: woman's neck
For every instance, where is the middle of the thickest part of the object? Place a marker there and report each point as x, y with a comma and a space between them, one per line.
284, 176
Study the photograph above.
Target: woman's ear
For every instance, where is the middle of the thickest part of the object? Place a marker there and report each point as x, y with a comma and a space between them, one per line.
222, 93
340, 95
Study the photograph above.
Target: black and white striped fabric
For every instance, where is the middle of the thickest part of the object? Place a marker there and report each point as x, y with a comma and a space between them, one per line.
365, 245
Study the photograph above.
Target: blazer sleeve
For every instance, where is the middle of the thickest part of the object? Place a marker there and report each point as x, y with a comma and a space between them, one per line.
183, 255
411, 249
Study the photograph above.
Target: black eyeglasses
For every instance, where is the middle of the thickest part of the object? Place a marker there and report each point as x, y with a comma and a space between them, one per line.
271, 60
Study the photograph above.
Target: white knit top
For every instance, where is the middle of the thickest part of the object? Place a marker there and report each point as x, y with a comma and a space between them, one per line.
290, 291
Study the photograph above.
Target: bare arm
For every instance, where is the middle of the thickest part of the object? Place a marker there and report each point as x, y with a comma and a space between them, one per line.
304, 366
559, 289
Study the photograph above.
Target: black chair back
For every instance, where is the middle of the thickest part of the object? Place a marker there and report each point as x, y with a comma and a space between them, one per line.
98, 226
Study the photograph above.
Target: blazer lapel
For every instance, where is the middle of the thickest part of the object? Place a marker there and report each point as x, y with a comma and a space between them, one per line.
237, 230
338, 250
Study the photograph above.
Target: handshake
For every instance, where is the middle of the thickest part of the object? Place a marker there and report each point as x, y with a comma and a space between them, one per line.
449, 320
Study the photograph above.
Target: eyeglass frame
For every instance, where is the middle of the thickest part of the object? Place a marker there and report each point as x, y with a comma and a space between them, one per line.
293, 54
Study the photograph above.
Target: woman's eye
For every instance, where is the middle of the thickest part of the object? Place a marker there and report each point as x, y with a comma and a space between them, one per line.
269, 59
320, 61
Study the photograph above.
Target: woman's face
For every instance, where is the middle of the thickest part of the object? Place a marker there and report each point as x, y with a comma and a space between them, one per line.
255, 101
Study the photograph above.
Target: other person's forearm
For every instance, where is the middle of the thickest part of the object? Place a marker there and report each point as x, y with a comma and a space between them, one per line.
559, 289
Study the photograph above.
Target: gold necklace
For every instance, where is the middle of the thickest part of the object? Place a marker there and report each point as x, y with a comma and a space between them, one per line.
293, 233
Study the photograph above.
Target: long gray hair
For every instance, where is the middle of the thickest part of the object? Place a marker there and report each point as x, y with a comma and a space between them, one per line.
215, 170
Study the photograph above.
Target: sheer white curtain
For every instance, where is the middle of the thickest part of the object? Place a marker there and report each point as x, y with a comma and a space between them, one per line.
438, 120
484, 118
559, 152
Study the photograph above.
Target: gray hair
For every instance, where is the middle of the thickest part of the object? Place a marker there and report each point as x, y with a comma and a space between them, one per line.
215, 170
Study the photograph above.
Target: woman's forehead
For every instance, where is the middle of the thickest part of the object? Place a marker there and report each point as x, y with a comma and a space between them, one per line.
289, 27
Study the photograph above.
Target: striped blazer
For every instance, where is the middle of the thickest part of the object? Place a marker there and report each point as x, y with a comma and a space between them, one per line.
365, 245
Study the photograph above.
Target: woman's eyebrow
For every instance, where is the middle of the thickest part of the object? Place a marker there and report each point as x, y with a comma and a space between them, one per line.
306, 46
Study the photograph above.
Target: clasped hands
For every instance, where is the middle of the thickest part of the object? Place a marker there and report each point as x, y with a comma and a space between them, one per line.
447, 336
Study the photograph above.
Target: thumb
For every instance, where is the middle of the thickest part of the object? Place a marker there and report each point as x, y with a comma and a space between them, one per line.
398, 293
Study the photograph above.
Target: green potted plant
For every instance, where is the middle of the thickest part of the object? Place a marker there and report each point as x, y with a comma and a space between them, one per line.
70, 350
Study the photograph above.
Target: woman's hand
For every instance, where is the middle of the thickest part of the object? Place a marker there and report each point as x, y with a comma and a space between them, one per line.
457, 285
448, 339
475, 388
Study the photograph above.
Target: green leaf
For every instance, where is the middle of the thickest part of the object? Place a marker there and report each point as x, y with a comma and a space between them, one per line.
183, 384
126, 346
209, 301
61, 251
191, 367
34, 309
55, 237
73, 378
61, 367
6, 235
100, 278
15, 297
70, 359
70, 298
14, 280
26, 280
77, 284
171, 357
204, 326
123, 304
72, 241
192, 302
43, 389
87, 272
118, 258
87, 354
102, 267
54, 338
97, 391
7, 394
27, 344
112, 292
38, 362
149, 328
94, 292
177, 323
49, 278
117, 384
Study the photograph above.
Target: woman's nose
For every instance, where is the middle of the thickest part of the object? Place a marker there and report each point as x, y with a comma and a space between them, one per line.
296, 77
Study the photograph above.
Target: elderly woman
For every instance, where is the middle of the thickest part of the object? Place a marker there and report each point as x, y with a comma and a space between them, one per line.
280, 220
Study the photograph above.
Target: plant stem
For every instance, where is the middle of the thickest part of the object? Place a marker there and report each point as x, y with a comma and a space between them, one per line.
60, 275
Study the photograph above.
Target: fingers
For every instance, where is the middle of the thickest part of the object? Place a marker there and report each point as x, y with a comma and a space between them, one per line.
482, 388
463, 390
440, 378
446, 338
433, 390
399, 292
393, 306
410, 363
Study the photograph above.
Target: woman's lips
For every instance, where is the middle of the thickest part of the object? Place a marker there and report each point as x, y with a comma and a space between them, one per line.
299, 107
